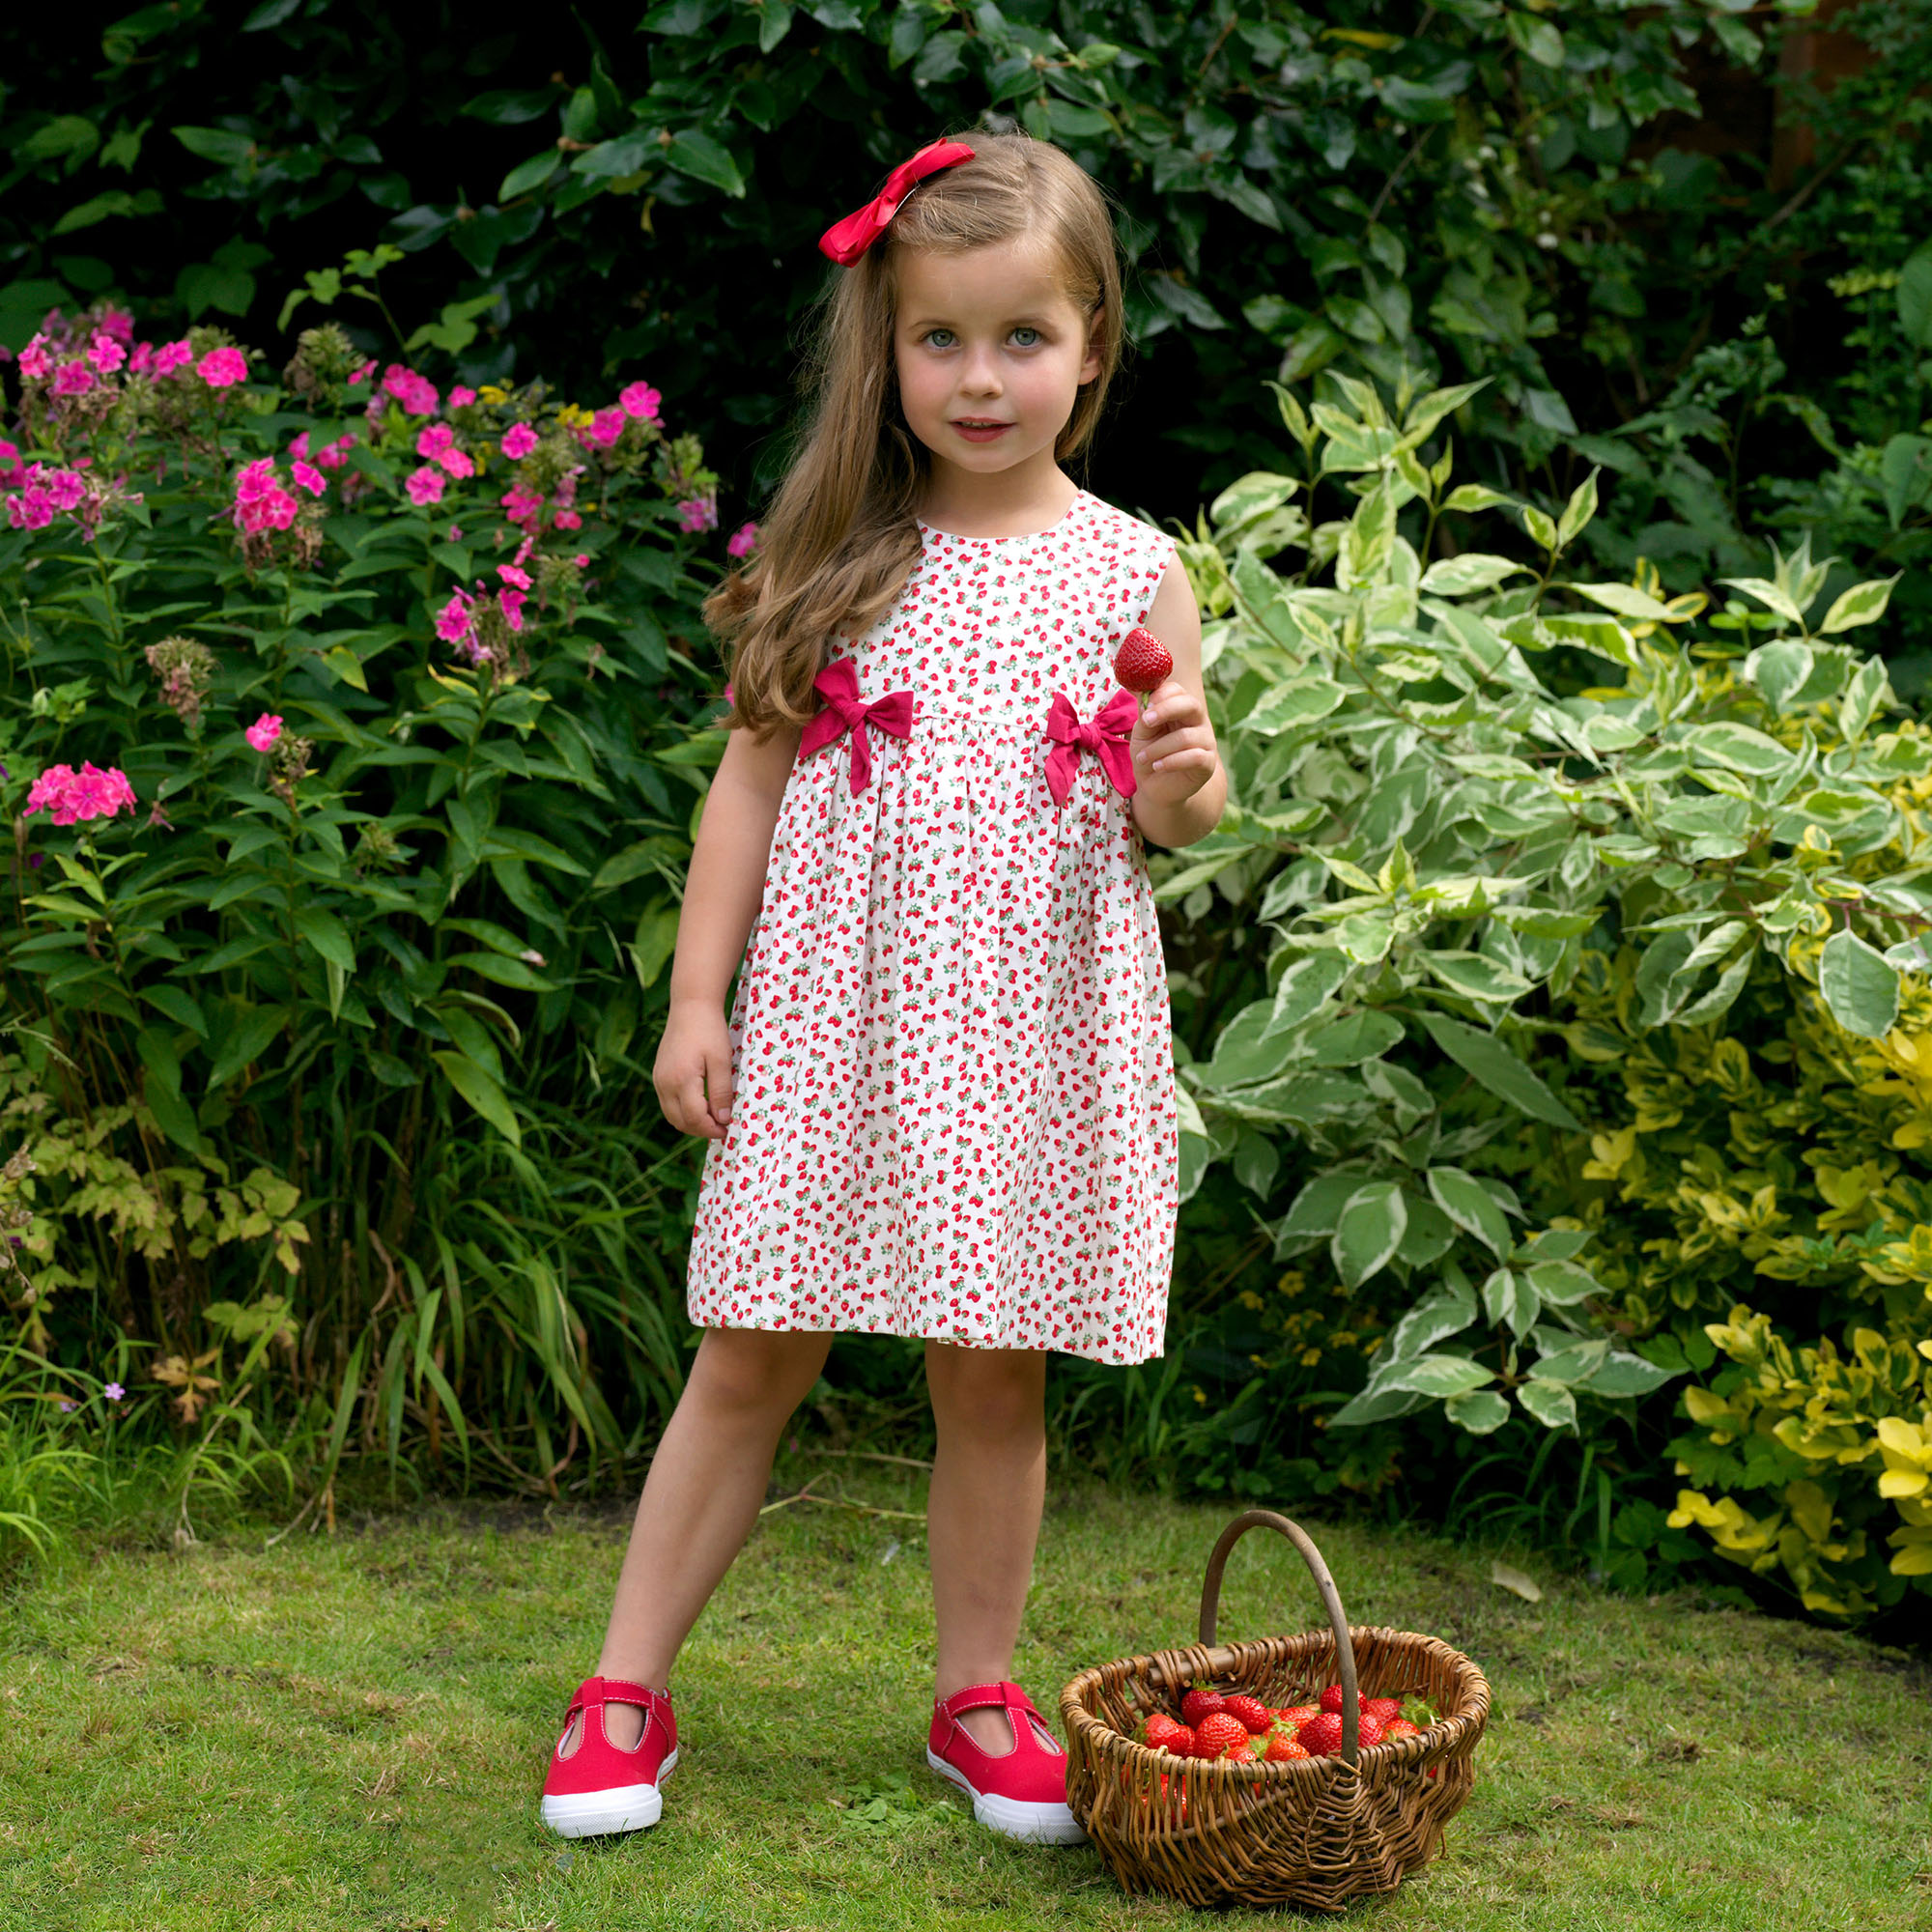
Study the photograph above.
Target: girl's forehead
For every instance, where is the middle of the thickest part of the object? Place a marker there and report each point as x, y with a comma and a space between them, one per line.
1002, 276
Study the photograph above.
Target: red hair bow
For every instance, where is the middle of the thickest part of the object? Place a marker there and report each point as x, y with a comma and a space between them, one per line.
1105, 735
838, 684
846, 240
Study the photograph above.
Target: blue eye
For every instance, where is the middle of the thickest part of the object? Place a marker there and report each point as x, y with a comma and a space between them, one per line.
1026, 328
931, 332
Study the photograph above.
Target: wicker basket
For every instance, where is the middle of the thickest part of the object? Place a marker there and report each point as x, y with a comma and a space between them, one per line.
1316, 1833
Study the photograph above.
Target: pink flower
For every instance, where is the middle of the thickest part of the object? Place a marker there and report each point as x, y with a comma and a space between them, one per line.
105, 352
298, 447
73, 797
255, 480
456, 533
522, 506
459, 396
74, 379
454, 621
510, 574
606, 427
35, 361
118, 323
741, 541
274, 509
310, 478
519, 439
332, 457
580, 561
417, 394
699, 513
642, 401
434, 439
362, 374
32, 509
221, 368
65, 487
425, 486
172, 356
266, 729
137, 363
569, 519
511, 604
114, 1391
457, 462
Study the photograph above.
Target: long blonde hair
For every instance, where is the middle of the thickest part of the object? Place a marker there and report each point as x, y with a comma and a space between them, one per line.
841, 536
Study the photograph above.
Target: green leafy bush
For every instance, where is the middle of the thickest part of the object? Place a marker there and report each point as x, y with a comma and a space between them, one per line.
1449, 796
330, 972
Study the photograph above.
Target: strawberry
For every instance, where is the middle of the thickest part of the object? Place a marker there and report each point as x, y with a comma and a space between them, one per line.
1199, 1704
1398, 1727
1143, 662
1158, 1728
1369, 1731
1294, 1716
1282, 1748
1216, 1732
1321, 1736
1332, 1700
1181, 1740
1251, 1711
1240, 1754
1382, 1708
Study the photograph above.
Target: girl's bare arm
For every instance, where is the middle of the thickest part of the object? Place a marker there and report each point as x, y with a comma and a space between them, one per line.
693, 1073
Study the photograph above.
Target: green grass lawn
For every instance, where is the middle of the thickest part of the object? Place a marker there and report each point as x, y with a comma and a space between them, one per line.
349, 1732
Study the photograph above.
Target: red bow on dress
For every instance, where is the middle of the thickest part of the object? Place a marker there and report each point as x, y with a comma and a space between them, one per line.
838, 685
1105, 735
846, 240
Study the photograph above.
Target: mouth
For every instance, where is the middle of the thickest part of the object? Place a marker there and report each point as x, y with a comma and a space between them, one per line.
980, 425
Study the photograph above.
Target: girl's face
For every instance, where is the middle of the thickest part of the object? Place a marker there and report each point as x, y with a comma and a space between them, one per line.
992, 354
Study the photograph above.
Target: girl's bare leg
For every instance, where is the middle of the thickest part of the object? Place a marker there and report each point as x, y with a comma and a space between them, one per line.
701, 1497
983, 1514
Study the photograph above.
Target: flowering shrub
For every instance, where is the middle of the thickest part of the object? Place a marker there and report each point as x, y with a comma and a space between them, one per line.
347, 737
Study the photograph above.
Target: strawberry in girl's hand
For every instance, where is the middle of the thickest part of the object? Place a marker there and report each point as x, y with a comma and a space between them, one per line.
1199, 1704
1251, 1711
1143, 662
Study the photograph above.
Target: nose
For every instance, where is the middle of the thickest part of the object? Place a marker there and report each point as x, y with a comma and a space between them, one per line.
980, 377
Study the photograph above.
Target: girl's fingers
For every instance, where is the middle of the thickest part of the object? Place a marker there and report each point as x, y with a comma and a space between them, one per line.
1170, 744
1172, 705
718, 1086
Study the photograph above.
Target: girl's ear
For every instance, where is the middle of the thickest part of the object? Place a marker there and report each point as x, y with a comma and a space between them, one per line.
1091, 367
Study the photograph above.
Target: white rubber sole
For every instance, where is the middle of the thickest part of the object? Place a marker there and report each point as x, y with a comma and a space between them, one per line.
596, 1814
1013, 1817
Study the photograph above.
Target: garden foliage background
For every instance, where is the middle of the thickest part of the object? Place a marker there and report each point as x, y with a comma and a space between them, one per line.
336, 1084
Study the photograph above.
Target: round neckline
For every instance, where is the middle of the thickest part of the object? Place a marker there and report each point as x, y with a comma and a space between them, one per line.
1029, 536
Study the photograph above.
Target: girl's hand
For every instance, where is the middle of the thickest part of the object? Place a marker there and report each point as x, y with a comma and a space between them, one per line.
1174, 754
693, 1073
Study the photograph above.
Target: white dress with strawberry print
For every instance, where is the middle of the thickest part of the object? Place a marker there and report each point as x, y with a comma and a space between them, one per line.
953, 1108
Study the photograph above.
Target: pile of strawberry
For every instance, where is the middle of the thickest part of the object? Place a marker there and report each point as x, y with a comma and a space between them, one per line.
1244, 1730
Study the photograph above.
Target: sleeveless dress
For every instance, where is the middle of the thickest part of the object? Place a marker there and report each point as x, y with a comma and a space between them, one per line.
953, 1109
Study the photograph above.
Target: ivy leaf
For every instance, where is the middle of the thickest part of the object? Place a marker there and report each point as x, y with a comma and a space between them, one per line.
1471, 1207
1440, 1376
1482, 1412
1860, 987
1491, 1064
1368, 1231
1549, 1402
1862, 603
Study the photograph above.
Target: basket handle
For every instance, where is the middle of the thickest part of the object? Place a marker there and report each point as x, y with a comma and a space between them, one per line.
1332, 1602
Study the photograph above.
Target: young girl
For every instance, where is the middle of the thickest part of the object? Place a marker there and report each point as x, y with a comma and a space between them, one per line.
943, 1104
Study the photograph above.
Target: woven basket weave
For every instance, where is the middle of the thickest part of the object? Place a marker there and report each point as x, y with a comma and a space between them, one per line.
1317, 1833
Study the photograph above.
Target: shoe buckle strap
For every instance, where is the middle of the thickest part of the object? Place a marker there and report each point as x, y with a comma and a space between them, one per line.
1005, 1695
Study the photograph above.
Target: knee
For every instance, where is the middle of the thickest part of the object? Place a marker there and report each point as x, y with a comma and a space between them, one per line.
755, 1371
987, 1391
